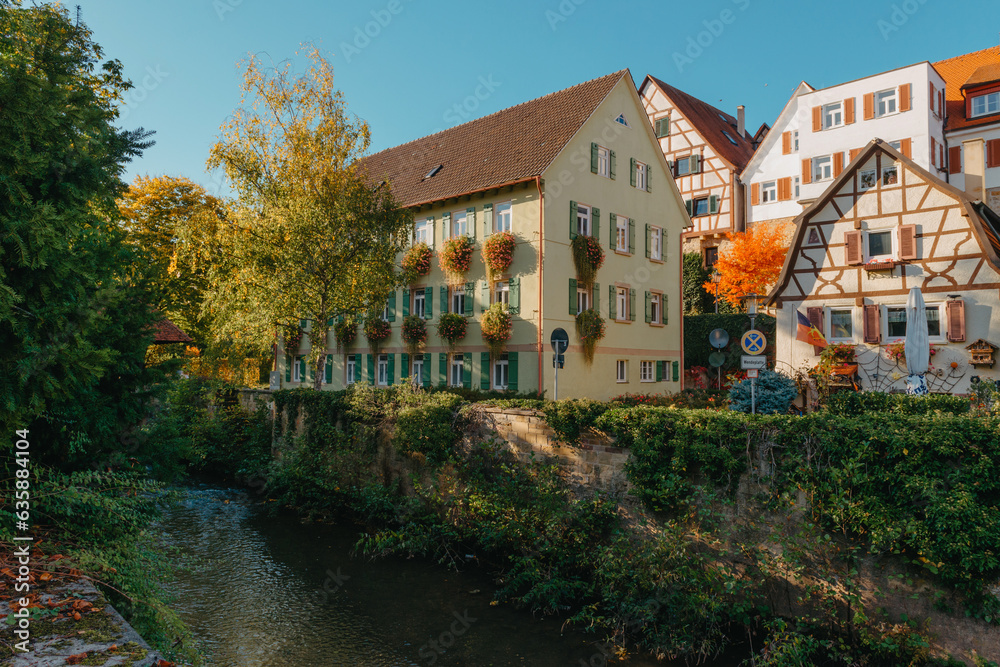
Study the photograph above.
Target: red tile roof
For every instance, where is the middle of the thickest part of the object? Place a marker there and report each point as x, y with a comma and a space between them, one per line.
710, 123
983, 75
510, 146
956, 72
166, 332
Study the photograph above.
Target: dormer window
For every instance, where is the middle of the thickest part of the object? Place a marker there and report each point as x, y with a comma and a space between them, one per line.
984, 105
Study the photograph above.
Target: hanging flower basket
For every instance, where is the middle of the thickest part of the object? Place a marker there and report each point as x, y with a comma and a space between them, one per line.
377, 331
293, 338
451, 327
496, 325
417, 262
456, 257
588, 256
345, 332
498, 253
414, 332
590, 330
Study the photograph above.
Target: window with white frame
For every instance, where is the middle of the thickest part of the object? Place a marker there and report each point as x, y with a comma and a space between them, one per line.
583, 219
795, 140
699, 207
458, 300
422, 230
822, 168
621, 370
984, 105
647, 371
458, 223
796, 181
419, 302
769, 192
502, 217
655, 243
501, 292
457, 370
417, 374
880, 245
582, 299
898, 145
621, 303
383, 370
351, 375
895, 319
841, 324
640, 175
501, 368
867, 179
603, 161
890, 175
298, 369
684, 165
655, 308
833, 115
385, 313
621, 233
885, 102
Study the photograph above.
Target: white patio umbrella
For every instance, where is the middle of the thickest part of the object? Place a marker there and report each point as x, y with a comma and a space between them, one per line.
916, 347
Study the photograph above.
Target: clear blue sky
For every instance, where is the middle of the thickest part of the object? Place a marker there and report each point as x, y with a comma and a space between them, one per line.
419, 59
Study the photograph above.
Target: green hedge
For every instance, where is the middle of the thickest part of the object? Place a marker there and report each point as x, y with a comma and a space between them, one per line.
697, 347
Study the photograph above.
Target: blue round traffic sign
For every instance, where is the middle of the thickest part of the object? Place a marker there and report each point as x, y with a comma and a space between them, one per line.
753, 342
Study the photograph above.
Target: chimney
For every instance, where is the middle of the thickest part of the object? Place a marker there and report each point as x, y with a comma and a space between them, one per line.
741, 120
974, 168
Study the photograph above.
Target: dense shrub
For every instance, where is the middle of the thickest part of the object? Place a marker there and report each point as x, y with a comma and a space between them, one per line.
773, 394
571, 417
849, 403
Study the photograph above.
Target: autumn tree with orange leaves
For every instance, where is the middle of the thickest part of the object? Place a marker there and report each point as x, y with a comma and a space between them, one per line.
750, 264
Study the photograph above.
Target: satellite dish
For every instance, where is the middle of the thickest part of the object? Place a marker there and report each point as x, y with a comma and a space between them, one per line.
719, 338
716, 359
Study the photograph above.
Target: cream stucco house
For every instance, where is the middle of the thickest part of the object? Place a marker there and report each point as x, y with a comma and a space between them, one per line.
583, 160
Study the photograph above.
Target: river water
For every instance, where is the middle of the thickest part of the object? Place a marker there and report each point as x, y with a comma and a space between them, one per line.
264, 591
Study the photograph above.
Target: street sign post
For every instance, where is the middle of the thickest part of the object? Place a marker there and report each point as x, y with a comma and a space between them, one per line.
752, 373
749, 361
560, 343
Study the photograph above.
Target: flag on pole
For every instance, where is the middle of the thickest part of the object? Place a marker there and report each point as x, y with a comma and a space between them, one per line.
807, 333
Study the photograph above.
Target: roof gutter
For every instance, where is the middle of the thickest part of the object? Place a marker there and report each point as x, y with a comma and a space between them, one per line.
541, 270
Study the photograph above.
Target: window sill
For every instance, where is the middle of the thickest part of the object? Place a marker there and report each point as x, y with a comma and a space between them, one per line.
656, 324
621, 321
658, 260
621, 382
626, 253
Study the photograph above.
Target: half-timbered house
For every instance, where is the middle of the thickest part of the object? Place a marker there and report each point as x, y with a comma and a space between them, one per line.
883, 226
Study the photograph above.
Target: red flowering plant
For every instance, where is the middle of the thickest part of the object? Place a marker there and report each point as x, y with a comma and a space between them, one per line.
451, 327
897, 352
377, 331
496, 326
588, 256
498, 253
455, 257
590, 329
344, 332
414, 332
417, 262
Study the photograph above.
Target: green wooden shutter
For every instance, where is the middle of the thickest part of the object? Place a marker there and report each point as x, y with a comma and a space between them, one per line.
391, 306
662, 127
288, 368
631, 304
649, 306
445, 226
613, 230
631, 236
371, 368
512, 371
660, 372
404, 366
612, 307
430, 228
593, 158
676, 370
328, 369
595, 224
484, 297
391, 375
484, 371
687, 205
713, 204
445, 301
572, 297
514, 296
428, 303
467, 370
572, 220
443, 368
649, 177
595, 297
406, 303
632, 171
611, 165
487, 220
664, 309
649, 241
695, 164
470, 298
470, 221
425, 370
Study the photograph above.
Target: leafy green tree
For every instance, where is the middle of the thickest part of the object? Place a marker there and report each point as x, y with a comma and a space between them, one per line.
311, 235
696, 299
74, 320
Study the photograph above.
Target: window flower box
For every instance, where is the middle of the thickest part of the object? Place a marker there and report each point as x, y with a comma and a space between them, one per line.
882, 265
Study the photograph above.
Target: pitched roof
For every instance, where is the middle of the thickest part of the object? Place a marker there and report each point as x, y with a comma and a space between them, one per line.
710, 123
956, 72
166, 332
984, 222
983, 75
510, 146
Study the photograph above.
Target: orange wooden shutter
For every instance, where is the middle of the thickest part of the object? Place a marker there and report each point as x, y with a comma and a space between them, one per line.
838, 163
869, 106
941, 156
853, 242
873, 323
908, 242
941, 103
849, 111
993, 153
933, 152
933, 95
956, 320
906, 147
815, 316
754, 194
786, 143
807, 171
904, 97
855, 152
785, 188
817, 119
955, 160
